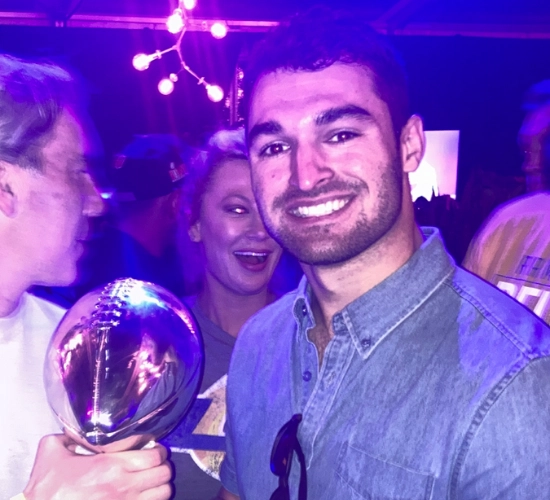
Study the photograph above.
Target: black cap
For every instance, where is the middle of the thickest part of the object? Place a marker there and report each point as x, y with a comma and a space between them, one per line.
149, 167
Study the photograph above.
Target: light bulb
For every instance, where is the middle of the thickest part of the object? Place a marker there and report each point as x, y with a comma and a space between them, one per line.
189, 4
166, 86
218, 30
215, 93
141, 61
175, 22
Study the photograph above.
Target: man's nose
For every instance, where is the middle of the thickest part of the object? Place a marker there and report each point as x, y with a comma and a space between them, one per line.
310, 168
94, 205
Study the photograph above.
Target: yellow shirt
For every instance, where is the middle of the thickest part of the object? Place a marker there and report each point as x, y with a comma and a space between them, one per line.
512, 251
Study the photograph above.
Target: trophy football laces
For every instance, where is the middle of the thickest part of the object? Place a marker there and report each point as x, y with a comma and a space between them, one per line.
107, 314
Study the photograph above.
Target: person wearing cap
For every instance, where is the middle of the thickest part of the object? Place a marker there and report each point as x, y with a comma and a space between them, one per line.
47, 197
139, 238
512, 249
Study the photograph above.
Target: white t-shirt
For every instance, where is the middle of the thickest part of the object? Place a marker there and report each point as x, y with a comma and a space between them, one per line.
512, 251
25, 415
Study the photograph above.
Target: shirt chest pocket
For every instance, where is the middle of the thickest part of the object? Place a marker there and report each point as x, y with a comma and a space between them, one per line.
359, 476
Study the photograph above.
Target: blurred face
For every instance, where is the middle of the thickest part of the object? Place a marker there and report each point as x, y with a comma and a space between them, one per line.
53, 206
239, 254
532, 135
325, 167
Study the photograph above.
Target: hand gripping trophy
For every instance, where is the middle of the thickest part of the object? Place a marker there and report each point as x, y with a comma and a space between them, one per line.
123, 366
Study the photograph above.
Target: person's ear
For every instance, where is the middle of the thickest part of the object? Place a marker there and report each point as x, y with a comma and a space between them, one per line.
194, 232
7, 197
413, 144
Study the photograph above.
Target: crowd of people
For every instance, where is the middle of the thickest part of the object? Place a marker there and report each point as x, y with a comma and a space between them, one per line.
347, 354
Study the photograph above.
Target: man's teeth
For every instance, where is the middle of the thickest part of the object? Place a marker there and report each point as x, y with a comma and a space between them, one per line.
320, 210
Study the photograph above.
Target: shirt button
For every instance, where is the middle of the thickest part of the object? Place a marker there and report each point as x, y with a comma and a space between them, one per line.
365, 343
306, 375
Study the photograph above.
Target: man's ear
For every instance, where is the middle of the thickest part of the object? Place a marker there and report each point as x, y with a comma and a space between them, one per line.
194, 232
7, 197
413, 144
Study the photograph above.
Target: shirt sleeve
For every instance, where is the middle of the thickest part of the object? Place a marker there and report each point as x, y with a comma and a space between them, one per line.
228, 475
508, 457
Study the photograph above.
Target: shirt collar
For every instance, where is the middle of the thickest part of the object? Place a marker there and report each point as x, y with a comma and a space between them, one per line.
378, 312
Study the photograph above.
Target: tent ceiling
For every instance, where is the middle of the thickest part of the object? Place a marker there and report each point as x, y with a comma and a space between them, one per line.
489, 18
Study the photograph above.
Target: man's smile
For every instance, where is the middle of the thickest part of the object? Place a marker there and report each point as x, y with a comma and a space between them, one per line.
321, 209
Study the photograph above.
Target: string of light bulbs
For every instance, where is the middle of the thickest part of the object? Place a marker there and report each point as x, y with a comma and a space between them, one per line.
177, 24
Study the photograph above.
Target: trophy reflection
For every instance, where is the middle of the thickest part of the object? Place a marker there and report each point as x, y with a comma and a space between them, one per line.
123, 366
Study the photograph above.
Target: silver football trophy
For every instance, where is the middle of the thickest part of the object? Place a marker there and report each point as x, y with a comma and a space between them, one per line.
123, 366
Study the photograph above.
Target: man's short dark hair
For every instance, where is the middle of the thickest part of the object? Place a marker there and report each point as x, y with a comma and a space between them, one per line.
32, 96
320, 37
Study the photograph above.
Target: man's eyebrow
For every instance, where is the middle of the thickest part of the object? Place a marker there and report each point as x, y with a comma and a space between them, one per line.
349, 111
266, 128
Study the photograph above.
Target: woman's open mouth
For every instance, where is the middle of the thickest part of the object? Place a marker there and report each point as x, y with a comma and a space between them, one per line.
251, 258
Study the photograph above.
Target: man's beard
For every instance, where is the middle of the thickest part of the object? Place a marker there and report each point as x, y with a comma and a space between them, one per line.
319, 245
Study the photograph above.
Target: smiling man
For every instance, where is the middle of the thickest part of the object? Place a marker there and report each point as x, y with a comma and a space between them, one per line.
414, 378
46, 198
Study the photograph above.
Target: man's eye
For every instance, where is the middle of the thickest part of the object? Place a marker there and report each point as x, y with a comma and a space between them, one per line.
274, 149
343, 136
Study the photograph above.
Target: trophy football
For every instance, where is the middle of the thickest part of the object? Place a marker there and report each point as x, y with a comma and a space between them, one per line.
123, 366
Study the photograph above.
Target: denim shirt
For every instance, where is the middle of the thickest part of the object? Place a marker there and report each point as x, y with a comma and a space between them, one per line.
436, 385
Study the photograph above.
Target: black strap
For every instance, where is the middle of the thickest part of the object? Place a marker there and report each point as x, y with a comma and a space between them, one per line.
302, 490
